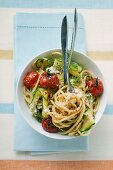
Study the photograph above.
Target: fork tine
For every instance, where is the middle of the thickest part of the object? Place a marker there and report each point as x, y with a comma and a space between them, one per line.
73, 36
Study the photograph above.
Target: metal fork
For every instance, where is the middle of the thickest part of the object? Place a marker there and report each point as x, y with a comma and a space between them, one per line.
70, 88
73, 38
64, 37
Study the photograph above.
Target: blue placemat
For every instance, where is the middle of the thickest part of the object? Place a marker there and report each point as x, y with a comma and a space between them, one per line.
35, 33
89, 4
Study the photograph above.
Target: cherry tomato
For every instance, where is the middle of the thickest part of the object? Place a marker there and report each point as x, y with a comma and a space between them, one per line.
48, 125
31, 79
53, 81
44, 80
49, 81
95, 87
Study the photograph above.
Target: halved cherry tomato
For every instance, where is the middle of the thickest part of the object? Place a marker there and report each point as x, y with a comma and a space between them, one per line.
31, 79
95, 87
49, 81
48, 125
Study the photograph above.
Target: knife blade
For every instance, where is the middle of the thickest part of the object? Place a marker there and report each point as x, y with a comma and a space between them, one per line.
64, 39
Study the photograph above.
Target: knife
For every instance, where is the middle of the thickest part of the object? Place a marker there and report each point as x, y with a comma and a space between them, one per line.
64, 39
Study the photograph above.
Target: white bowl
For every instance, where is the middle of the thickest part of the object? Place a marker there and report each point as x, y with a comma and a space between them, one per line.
80, 59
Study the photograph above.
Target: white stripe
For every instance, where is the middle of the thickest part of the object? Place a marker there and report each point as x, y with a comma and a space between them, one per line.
6, 81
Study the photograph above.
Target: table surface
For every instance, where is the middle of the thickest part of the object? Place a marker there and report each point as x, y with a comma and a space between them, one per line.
99, 33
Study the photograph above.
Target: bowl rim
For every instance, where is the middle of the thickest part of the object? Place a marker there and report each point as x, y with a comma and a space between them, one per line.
61, 137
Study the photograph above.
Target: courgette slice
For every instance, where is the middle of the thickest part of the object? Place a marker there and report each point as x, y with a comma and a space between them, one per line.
76, 80
36, 95
87, 123
75, 69
56, 54
58, 64
42, 93
41, 63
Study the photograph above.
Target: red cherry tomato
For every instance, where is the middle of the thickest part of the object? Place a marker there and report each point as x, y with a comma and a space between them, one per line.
53, 81
44, 80
31, 79
50, 81
95, 87
48, 125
